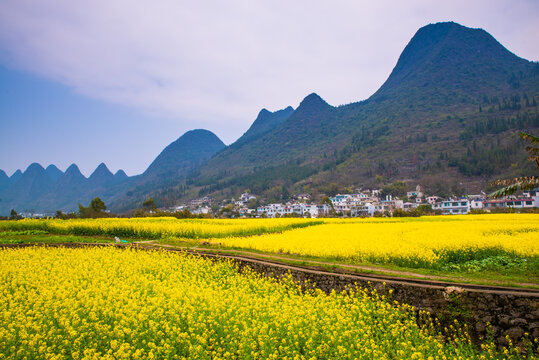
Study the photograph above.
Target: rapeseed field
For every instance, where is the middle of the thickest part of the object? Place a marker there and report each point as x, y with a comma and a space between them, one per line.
105, 303
435, 242
428, 242
157, 228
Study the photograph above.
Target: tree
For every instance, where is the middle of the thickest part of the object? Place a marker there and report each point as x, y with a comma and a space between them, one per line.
331, 189
253, 204
285, 194
14, 215
327, 201
60, 215
398, 188
149, 204
228, 212
98, 205
510, 186
96, 209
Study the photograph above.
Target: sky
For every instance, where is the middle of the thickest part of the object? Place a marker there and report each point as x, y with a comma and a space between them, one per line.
115, 81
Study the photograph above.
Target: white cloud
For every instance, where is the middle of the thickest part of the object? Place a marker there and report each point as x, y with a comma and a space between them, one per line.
215, 63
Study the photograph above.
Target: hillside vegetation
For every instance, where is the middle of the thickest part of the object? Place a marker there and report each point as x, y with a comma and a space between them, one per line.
447, 117
448, 114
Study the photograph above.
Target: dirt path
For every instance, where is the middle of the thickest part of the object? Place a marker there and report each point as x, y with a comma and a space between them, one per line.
267, 259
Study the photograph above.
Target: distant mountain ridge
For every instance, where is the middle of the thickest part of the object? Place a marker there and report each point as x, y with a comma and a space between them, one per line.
38, 189
15, 176
33, 182
446, 117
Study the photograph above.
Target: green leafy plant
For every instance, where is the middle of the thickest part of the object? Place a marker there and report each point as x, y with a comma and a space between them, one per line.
510, 186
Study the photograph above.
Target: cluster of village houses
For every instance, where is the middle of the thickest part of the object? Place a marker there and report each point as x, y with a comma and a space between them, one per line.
369, 203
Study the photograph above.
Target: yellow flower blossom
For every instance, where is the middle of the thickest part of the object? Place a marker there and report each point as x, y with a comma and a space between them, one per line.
103, 303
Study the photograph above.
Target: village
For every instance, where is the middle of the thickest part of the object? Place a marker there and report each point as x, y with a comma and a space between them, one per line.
363, 203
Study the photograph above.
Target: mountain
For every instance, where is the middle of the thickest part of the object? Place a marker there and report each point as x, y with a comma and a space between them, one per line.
66, 191
32, 183
264, 122
120, 176
53, 172
448, 57
100, 176
447, 117
305, 126
15, 176
71, 179
178, 160
4, 180
185, 154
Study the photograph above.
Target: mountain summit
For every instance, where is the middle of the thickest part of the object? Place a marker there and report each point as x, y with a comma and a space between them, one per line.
53, 172
447, 57
266, 121
120, 175
311, 110
185, 153
101, 175
313, 103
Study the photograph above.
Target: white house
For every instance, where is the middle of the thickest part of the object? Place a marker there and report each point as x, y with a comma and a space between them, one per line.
409, 205
517, 203
301, 209
323, 209
534, 195
202, 210
476, 204
367, 209
432, 199
349, 202
271, 209
454, 206
388, 205
246, 197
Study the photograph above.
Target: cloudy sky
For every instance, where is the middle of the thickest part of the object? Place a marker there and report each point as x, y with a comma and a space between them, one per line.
118, 80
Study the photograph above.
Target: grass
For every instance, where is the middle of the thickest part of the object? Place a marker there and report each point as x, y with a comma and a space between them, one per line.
498, 270
43, 237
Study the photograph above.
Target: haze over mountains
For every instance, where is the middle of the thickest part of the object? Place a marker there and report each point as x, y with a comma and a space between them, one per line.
447, 117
